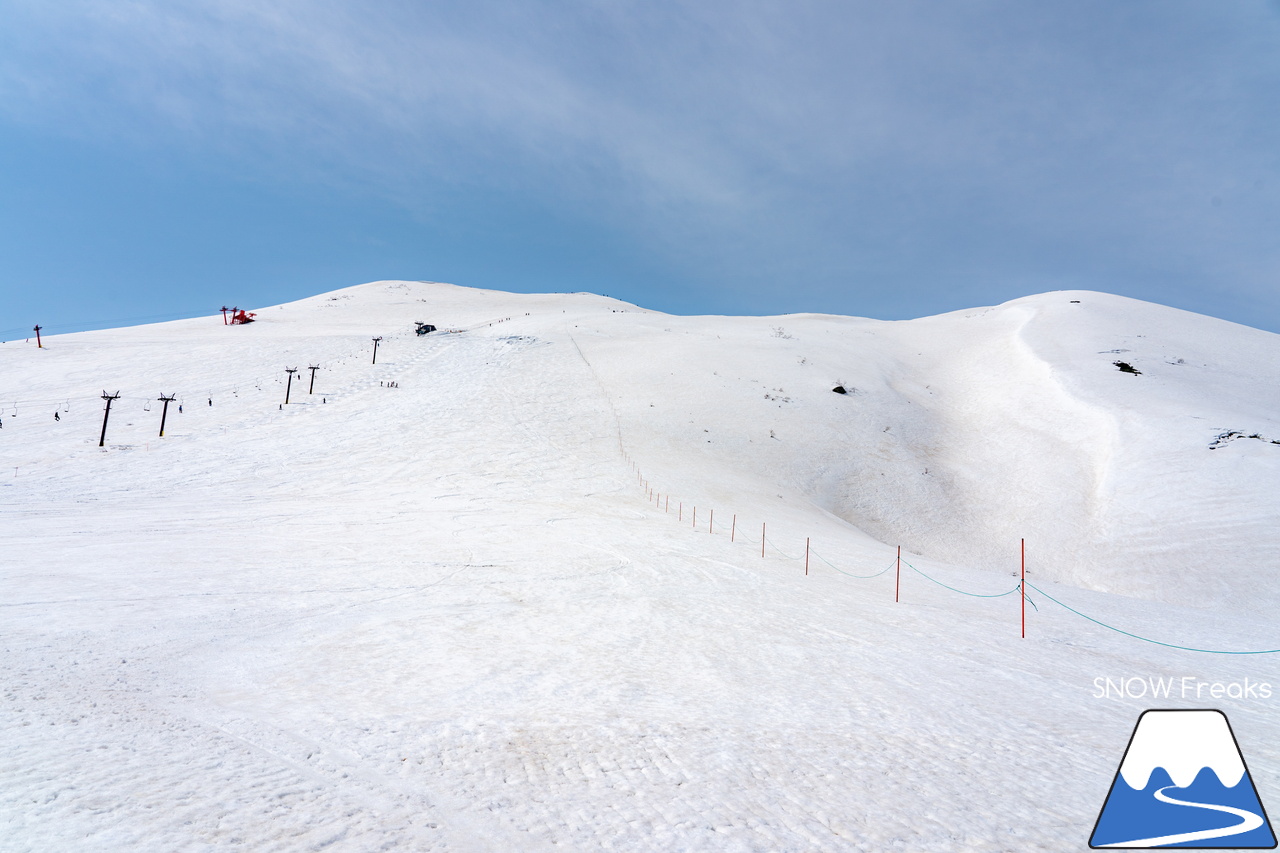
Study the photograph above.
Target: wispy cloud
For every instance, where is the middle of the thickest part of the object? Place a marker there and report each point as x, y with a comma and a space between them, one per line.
857, 143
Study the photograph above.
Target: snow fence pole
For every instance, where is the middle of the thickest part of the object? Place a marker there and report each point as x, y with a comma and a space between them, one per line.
1022, 587
711, 528
806, 556
897, 578
695, 518
762, 540
734, 527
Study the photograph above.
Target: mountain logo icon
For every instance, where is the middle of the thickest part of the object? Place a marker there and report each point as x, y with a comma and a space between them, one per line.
1183, 783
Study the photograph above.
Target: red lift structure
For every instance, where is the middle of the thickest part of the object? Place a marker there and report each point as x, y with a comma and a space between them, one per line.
238, 316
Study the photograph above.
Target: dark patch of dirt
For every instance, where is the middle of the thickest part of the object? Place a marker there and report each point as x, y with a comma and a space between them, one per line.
1231, 435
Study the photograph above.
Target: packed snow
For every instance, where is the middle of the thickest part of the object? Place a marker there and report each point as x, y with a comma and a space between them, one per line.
457, 600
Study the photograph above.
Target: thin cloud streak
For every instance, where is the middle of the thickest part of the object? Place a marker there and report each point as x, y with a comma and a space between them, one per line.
911, 146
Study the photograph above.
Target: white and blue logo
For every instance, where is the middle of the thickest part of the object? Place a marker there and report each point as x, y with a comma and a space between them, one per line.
1183, 783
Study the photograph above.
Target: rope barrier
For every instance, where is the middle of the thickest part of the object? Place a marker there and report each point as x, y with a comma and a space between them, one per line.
1018, 587
1029, 599
1148, 639
784, 554
961, 591
851, 574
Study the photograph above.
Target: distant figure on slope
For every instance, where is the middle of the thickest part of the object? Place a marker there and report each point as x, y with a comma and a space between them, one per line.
210, 401
56, 416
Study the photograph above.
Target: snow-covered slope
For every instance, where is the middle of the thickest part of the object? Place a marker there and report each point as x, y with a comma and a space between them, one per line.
456, 600
963, 433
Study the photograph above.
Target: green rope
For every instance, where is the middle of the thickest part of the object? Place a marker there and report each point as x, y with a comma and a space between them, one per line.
784, 554
1148, 639
961, 591
1029, 599
850, 574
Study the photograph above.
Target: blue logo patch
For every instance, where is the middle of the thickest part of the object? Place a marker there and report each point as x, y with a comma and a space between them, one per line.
1183, 783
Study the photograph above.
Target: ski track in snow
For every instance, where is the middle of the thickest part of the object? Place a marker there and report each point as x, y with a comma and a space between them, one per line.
442, 617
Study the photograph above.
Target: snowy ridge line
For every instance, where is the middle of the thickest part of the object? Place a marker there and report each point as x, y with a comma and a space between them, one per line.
1018, 587
142, 319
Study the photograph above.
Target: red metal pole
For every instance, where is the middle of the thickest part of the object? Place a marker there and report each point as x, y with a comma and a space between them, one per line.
667, 504
897, 580
1023, 586
734, 528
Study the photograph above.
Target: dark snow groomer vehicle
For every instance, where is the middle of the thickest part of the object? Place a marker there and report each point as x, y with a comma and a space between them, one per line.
423, 328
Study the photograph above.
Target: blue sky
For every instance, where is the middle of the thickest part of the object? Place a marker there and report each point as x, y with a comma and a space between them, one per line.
888, 160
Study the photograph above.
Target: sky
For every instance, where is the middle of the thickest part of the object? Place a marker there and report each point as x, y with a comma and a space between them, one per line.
889, 160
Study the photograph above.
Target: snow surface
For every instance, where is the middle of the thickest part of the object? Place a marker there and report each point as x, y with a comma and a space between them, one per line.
449, 613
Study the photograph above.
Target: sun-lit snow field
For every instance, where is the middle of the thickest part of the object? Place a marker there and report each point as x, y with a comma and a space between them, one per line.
462, 604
